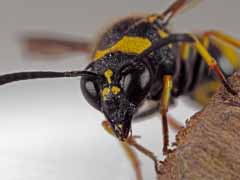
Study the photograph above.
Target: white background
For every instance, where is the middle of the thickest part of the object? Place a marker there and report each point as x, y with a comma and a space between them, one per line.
47, 130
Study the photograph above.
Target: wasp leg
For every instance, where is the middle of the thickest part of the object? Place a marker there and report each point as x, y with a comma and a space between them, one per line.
191, 38
229, 39
211, 62
142, 116
173, 123
217, 46
166, 94
132, 156
225, 43
130, 141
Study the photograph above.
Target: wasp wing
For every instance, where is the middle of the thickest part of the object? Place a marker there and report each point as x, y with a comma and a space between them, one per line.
46, 45
178, 7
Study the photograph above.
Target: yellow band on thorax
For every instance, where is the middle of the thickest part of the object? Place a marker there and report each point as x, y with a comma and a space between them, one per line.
127, 44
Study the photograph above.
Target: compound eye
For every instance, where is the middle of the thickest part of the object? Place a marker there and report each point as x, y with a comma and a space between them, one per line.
90, 91
144, 78
126, 81
136, 83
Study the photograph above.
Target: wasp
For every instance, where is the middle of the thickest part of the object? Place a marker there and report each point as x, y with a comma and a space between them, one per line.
139, 59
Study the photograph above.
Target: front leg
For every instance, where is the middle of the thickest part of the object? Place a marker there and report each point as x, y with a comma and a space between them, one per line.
132, 156
165, 98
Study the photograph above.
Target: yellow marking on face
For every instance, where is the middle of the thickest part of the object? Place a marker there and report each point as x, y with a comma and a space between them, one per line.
105, 91
108, 74
127, 44
115, 90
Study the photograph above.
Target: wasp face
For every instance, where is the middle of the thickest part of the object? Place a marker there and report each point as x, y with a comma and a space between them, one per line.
122, 87
119, 111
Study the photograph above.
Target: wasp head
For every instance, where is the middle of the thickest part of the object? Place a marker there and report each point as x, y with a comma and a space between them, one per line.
120, 87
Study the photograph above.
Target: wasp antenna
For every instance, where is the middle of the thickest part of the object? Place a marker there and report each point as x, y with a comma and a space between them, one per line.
80, 73
12, 77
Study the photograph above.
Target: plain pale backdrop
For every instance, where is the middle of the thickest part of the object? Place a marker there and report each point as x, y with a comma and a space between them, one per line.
47, 130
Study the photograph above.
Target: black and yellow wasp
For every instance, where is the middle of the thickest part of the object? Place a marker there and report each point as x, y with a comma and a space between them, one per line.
136, 60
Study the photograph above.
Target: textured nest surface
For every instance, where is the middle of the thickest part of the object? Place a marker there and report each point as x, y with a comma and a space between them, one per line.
209, 146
